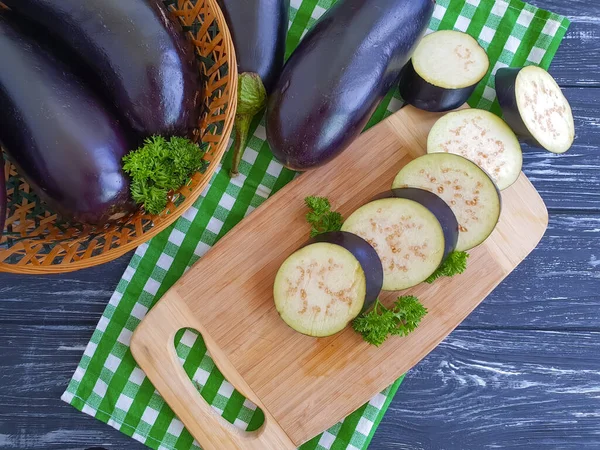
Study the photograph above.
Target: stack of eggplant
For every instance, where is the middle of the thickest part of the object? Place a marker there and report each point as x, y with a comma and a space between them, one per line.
444, 71
336, 78
67, 136
321, 99
441, 204
438, 205
81, 84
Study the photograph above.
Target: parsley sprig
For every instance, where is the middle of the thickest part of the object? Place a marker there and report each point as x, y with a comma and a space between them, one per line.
320, 217
455, 264
400, 320
160, 166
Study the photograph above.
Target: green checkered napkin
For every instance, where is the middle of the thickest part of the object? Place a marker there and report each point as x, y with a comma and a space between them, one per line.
108, 384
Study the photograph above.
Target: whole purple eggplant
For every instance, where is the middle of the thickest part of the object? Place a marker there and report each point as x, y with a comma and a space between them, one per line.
58, 132
142, 60
2, 196
337, 76
259, 30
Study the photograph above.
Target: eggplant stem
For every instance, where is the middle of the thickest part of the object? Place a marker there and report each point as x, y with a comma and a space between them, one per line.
242, 126
252, 98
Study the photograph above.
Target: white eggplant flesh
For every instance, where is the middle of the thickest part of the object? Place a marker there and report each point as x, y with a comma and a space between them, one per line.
466, 188
319, 289
408, 238
483, 138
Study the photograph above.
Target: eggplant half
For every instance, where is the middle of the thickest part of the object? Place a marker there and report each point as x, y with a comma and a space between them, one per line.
259, 30
337, 76
141, 57
407, 236
58, 133
535, 108
3, 205
483, 138
444, 71
437, 206
322, 287
466, 188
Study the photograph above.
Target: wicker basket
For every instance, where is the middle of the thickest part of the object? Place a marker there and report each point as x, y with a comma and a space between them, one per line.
37, 241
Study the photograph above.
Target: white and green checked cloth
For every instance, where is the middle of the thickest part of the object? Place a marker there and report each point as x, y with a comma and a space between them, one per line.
108, 384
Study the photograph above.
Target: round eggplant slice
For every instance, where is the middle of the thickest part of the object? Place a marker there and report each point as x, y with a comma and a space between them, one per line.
535, 108
437, 206
444, 71
366, 256
483, 138
468, 190
323, 286
407, 237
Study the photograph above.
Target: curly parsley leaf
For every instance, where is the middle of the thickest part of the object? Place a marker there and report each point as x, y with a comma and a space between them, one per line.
160, 166
455, 264
378, 324
375, 325
320, 217
409, 312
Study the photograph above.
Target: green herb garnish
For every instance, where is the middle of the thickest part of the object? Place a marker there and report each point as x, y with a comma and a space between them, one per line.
160, 166
320, 217
455, 264
381, 322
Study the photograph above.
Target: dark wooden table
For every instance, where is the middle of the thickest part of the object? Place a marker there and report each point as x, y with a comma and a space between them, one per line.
522, 371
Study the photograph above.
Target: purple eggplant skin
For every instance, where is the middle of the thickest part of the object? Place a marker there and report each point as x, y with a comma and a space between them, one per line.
143, 61
2, 196
337, 76
58, 133
506, 80
421, 94
438, 207
258, 29
366, 256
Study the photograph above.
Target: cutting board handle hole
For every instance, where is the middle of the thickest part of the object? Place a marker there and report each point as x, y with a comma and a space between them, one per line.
212, 385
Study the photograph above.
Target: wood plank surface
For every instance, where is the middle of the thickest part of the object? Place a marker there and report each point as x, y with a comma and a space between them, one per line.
573, 64
571, 182
506, 389
547, 314
478, 389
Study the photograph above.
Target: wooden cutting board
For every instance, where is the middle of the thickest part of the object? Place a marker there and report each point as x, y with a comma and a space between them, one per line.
305, 385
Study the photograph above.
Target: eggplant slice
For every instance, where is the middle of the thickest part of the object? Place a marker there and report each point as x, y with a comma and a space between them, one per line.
408, 238
468, 190
319, 289
437, 206
366, 256
444, 71
483, 138
535, 108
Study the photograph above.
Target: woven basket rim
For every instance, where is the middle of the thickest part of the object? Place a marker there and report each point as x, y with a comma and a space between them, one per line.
189, 200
